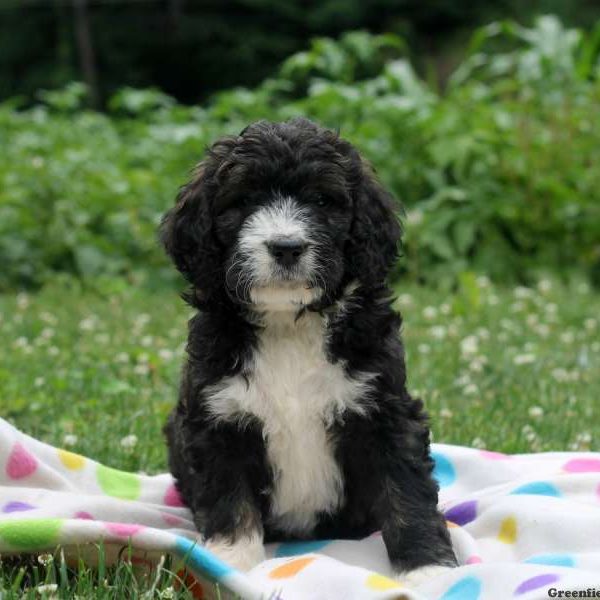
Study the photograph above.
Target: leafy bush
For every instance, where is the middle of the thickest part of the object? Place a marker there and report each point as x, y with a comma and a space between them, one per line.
497, 172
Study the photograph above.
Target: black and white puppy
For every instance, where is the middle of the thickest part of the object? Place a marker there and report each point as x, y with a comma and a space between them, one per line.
293, 418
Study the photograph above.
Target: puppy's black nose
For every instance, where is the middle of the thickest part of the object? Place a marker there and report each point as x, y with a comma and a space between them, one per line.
286, 252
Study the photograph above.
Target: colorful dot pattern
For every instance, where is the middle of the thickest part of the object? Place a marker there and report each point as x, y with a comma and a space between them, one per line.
296, 548
556, 560
540, 488
468, 588
119, 484
21, 530
20, 463
537, 582
462, 513
443, 471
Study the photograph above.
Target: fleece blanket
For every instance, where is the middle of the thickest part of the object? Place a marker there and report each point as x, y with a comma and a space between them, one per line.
523, 526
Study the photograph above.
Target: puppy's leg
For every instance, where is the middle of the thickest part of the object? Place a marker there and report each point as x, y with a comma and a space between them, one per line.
414, 531
388, 454
415, 535
220, 474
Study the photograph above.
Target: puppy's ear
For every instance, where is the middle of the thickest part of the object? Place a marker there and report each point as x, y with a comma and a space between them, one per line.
375, 235
186, 232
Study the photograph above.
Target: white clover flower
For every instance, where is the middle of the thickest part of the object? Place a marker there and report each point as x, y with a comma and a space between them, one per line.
584, 288
22, 300
414, 216
524, 359
146, 341
39, 381
463, 380
53, 351
551, 308
70, 439
544, 286
590, 324
536, 412
471, 389
438, 332
88, 324
430, 312
478, 443
48, 318
47, 333
493, 300
532, 319
122, 357
503, 336
483, 281
167, 593
143, 358
45, 559
478, 363
102, 338
21, 342
568, 337
453, 330
542, 330
469, 345
529, 433
585, 437
141, 320
141, 369
483, 333
560, 374
445, 308
446, 413
522, 292
424, 348
517, 306
507, 324
46, 588
166, 354
129, 442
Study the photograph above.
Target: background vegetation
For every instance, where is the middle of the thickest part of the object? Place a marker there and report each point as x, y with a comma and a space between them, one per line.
192, 48
496, 171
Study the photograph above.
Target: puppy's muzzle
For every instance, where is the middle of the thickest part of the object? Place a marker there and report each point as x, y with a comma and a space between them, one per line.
287, 251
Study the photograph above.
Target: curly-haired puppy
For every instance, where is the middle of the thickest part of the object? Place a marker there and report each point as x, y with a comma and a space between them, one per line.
293, 418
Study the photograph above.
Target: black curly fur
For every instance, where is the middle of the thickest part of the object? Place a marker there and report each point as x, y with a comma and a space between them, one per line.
221, 467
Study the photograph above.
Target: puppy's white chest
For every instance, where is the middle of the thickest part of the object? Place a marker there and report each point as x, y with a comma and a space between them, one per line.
297, 394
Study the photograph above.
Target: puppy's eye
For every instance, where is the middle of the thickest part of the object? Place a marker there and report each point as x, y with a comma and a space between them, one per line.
321, 200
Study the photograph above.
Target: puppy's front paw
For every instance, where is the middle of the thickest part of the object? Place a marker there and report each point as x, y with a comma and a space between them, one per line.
415, 578
242, 554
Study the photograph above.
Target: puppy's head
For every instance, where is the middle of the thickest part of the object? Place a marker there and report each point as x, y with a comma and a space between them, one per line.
280, 217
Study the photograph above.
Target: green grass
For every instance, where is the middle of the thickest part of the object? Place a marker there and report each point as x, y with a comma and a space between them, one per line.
514, 370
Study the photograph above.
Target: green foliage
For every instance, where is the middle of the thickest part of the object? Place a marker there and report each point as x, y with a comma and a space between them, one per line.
496, 173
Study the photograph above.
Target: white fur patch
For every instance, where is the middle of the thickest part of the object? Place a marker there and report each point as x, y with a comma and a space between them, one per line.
296, 393
283, 297
243, 554
422, 575
283, 219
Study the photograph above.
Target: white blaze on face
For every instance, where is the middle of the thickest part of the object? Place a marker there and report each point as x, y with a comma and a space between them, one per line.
275, 287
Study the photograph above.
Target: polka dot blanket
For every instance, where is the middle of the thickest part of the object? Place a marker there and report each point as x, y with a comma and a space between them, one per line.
523, 526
